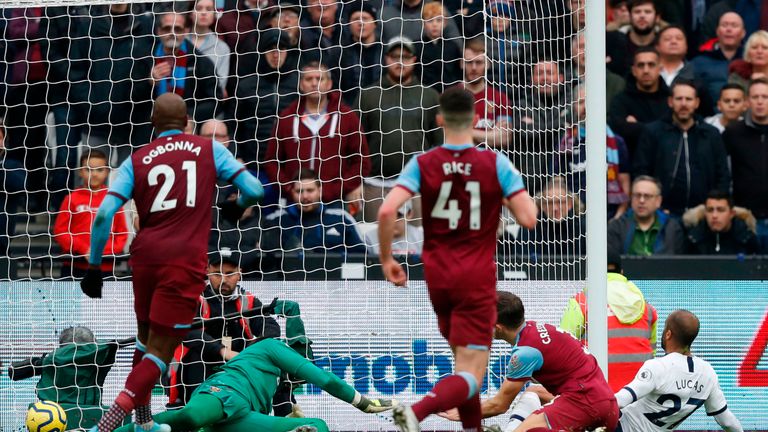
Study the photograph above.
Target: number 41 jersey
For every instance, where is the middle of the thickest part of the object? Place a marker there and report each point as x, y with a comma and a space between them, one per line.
668, 390
461, 191
172, 181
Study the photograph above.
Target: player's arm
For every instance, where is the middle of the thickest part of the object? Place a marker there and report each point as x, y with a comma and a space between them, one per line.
501, 401
120, 191
408, 185
232, 171
717, 408
516, 198
643, 384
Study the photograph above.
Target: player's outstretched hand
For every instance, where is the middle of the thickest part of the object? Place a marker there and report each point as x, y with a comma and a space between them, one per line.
230, 211
92, 282
394, 272
373, 406
451, 414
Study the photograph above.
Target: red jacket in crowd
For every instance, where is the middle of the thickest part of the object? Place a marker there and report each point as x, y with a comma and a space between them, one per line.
72, 230
338, 153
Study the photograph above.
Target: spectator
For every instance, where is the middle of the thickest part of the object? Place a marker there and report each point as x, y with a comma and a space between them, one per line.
718, 228
685, 154
216, 130
440, 58
111, 92
631, 325
25, 105
362, 49
202, 20
643, 101
618, 11
404, 19
492, 106
72, 375
286, 18
408, 239
755, 62
732, 105
182, 69
72, 230
621, 46
746, 141
399, 117
711, 65
262, 93
505, 38
11, 182
238, 28
672, 47
560, 231
570, 161
308, 224
321, 133
63, 25
321, 37
754, 13
614, 84
645, 230
224, 295
541, 114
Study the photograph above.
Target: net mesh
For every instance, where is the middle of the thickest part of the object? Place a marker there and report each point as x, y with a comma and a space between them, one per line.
81, 78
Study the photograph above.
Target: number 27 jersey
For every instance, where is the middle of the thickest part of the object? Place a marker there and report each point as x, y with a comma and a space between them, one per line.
461, 191
668, 390
172, 181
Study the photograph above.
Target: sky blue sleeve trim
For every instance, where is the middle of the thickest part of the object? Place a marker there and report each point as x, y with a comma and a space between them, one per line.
471, 381
158, 361
124, 181
182, 326
140, 346
510, 179
410, 178
226, 164
477, 347
251, 190
102, 225
524, 362
169, 133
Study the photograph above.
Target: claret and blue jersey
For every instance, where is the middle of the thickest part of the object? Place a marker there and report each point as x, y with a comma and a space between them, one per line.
461, 189
172, 181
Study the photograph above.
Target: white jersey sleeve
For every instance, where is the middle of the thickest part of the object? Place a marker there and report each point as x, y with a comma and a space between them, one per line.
667, 391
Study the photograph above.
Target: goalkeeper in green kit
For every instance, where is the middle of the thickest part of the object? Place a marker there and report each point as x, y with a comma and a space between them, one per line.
239, 397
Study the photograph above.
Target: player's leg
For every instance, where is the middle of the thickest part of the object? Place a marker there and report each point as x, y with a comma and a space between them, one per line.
201, 410
255, 421
524, 406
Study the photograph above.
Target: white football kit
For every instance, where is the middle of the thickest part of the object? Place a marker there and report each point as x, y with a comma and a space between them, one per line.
667, 390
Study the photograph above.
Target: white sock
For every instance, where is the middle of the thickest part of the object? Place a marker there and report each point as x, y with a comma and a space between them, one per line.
525, 406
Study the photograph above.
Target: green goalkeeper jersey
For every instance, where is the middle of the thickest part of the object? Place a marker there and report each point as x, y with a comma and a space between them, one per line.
254, 373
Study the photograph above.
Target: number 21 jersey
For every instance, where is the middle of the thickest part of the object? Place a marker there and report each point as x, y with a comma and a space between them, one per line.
461, 190
172, 181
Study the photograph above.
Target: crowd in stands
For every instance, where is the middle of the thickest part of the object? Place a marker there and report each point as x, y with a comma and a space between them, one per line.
326, 100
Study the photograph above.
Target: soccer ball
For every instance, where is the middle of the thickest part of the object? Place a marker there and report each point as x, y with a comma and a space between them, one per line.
46, 417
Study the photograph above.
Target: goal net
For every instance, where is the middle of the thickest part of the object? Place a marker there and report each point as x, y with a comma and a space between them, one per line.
325, 101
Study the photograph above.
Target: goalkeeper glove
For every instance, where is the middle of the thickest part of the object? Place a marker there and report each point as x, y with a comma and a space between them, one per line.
231, 211
92, 282
372, 406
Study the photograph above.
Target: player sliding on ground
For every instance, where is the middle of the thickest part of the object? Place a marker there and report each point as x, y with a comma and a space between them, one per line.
239, 398
462, 190
557, 360
668, 389
172, 180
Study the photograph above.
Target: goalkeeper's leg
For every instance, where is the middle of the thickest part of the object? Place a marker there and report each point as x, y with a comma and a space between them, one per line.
289, 361
255, 421
201, 410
